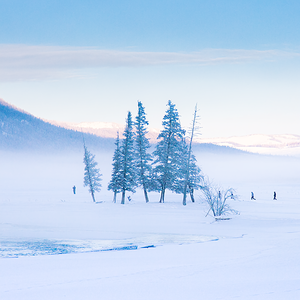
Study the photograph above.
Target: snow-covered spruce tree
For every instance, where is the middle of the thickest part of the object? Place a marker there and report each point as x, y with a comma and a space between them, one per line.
168, 151
92, 176
115, 182
128, 171
195, 178
189, 174
143, 158
178, 185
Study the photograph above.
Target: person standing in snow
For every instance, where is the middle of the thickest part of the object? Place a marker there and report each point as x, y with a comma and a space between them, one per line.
74, 189
274, 196
252, 196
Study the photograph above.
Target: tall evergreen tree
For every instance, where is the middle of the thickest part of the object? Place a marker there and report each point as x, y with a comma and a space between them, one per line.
143, 159
115, 182
168, 152
128, 172
92, 176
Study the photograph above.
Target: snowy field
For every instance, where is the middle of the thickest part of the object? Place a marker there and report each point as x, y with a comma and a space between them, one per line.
56, 245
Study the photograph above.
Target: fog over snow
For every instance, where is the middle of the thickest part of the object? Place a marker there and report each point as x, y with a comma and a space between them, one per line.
57, 245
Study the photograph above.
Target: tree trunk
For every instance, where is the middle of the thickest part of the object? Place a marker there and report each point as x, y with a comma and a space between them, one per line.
115, 197
123, 197
93, 196
192, 195
162, 195
184, 195
146, 195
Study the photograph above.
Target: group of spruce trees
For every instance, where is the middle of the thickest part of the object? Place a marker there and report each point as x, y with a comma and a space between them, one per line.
171, 166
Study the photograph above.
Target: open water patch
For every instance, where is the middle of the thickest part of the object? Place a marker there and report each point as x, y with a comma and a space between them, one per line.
56, 247
34, 248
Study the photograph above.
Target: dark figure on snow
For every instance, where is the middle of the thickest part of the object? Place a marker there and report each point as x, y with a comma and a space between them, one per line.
129, 198
252, 196
274, 196
74, 189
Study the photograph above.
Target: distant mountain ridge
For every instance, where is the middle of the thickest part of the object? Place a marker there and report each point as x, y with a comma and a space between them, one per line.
259, 140
279, 144
102, 129
21, 130
276, 144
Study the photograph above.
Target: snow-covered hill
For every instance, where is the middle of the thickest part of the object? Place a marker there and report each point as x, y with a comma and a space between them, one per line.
278, 144
21, 130
102, 129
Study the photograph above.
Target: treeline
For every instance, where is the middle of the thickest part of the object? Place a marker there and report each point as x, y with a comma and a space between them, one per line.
172, 165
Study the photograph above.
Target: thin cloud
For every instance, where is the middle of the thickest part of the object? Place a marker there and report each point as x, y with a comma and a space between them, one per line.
19, 62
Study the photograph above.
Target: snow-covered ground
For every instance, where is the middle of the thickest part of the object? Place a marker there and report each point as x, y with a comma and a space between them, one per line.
56, 245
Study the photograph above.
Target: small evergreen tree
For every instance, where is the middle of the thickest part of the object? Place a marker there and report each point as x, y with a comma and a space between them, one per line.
127, 170
91, 173
195, 178
143, 159
190, 175
191, 182
168, 152
115, 182
192, 172
178, 185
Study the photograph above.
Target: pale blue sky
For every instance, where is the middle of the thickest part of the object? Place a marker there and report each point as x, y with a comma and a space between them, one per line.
93, 60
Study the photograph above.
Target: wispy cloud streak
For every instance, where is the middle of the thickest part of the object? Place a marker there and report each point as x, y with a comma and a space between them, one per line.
18, 62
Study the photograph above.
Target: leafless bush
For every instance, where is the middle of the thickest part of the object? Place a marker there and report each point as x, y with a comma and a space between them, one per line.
216, 199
